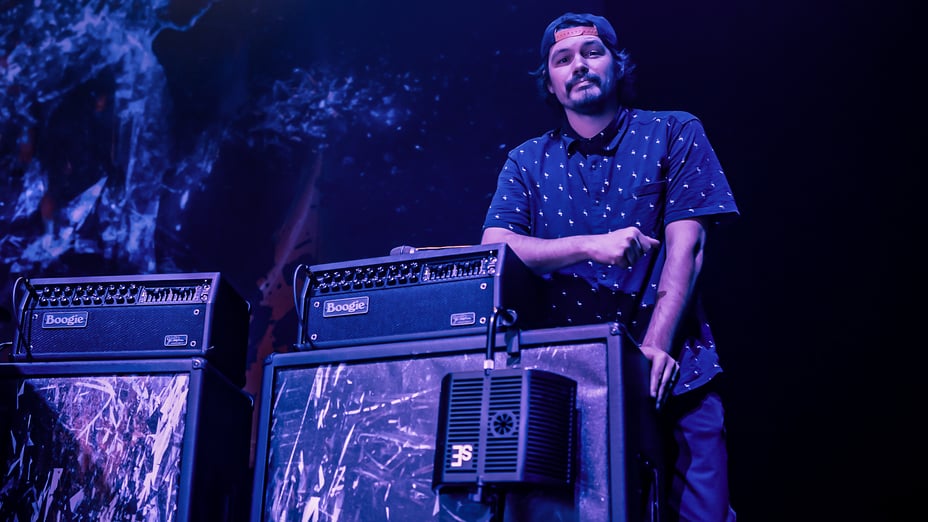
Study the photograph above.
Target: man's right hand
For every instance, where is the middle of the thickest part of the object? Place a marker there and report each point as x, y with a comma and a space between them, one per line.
622, 248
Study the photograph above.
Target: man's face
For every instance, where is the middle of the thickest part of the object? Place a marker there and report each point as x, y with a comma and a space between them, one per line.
580, 74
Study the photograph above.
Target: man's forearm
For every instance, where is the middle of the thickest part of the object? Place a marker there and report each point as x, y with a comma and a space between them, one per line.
541, 255
681, 268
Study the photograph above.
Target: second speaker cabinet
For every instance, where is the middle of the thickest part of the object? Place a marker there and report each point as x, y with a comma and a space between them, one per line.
157, 440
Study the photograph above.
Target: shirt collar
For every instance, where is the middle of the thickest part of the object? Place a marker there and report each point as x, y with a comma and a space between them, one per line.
603, 143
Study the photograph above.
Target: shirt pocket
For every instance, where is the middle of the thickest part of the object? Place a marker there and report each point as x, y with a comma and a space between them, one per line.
645, 205
649, 189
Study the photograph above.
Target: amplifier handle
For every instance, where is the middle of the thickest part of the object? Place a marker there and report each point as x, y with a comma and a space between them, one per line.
299, 299
21, 314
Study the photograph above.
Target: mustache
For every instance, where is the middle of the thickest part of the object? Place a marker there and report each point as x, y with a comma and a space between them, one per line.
592, 78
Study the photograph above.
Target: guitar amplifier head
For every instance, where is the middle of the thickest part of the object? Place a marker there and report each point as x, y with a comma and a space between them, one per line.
132, 317
425, 294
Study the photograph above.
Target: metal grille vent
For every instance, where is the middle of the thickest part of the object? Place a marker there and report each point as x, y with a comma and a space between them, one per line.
463, 427
506, 427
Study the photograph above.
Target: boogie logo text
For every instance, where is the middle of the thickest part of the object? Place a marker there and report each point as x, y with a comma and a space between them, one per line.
64, 320
351, 306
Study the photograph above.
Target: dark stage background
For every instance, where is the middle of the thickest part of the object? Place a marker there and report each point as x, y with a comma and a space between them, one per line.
249, 136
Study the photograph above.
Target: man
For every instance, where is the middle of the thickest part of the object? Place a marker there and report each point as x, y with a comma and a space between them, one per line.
612, 208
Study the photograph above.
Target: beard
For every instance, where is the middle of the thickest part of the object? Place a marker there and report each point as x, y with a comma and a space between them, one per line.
591, 99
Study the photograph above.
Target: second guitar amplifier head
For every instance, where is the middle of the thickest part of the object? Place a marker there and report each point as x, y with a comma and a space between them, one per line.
133, 317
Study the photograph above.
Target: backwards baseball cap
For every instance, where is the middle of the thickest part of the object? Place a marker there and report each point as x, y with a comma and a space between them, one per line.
581, 24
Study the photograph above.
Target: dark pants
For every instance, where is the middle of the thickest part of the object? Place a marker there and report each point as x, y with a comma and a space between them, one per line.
697, 457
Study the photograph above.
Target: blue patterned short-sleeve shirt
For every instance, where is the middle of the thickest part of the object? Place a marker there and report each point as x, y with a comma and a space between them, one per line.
647, 169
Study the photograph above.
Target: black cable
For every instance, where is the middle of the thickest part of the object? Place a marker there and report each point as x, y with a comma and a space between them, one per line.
491, 341
500, 317
293, 285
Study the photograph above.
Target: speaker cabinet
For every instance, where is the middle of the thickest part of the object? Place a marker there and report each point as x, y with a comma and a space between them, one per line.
154, 440
350, 433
